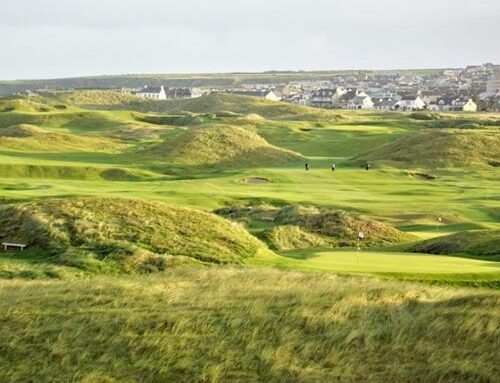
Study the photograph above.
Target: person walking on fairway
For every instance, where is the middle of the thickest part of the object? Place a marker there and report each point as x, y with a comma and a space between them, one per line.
333, 167
367, 166
306, 166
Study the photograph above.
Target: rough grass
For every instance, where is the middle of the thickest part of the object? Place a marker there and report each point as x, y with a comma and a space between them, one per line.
227, 325
21, 130
59, 172
125, 233
26, 137
185, 119
222, 145
229, 104
480, 243
24, 104
446, 148
89, 98
289, 237
307, 226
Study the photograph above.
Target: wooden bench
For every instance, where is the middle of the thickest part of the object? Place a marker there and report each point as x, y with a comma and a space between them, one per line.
6, 245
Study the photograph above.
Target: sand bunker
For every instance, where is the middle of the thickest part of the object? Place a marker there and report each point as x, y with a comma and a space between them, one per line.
257, 180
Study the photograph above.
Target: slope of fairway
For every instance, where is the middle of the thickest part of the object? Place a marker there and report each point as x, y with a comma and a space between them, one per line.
240, 325
480, 243
26, 137
130, 234
444, 148
222, 145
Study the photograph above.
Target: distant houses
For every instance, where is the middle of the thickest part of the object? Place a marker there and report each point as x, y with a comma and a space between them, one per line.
410, 103
155, 93
360, 102
268, 94
162, 93
327, 97
383, 103
450, 104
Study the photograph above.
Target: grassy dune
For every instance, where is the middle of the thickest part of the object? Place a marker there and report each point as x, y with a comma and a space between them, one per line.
224, 146
479, 243
227, 325
221, 104
105, 235
26, 137
448, 148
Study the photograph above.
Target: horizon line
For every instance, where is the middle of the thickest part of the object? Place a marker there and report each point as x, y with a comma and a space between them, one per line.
270, 71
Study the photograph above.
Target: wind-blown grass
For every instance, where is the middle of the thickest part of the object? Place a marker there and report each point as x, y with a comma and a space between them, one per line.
127, 234
229, 325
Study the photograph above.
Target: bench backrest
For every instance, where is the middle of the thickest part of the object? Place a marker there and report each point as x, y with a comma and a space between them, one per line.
13, 244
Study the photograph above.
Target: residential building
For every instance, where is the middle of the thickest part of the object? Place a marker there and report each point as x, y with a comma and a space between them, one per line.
156, 93
360, 102
410, 103
326, 97
493, 84
470, 106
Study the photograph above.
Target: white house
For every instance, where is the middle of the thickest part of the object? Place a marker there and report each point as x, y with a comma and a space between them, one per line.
360, 102
410, 103
156, 93
383, 103
272, 96
470, 106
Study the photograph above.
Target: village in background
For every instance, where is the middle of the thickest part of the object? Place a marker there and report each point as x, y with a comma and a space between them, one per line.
470, 89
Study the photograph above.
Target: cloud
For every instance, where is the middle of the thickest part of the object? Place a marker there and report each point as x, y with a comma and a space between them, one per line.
53, 38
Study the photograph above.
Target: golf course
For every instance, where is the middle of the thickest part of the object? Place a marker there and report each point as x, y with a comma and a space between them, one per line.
230, 238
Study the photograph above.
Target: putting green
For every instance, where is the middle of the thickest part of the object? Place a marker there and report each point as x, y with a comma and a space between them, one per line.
371, 262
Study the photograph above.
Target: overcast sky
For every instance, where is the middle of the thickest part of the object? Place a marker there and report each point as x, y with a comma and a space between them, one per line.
60, 38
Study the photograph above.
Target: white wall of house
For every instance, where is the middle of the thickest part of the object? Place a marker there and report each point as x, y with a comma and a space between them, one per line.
470, 106
272, 96
161, 95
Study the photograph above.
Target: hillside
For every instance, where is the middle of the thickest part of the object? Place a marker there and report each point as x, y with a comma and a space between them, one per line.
443, 148
226, 105
479, 243
129, 235
91, 97
221, 145
28, 137
301, 227
24, 104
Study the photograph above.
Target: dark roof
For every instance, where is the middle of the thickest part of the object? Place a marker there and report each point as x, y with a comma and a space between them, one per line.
254, 93
178, 92
349, 95
324, 92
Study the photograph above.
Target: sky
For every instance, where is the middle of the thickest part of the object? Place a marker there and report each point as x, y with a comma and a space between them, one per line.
68, 38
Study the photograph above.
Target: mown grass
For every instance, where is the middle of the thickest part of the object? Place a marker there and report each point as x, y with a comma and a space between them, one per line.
229, 325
